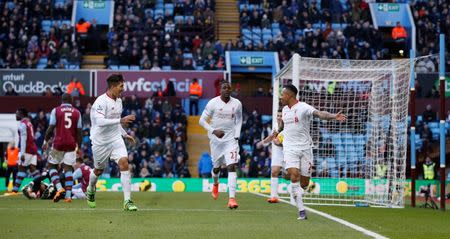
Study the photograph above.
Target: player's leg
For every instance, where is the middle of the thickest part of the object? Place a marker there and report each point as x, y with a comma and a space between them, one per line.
306, 163
32, 163
232, 159
217, 158
20, 175
101, 156
120, 155
68, 160
292, 159
54, 159
275, 171
68, 173
125, 179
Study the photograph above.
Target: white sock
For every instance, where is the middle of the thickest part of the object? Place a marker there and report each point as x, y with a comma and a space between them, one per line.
92, 182
232, 176
297, 191
274, 187
215, 176
126, 184
291, 195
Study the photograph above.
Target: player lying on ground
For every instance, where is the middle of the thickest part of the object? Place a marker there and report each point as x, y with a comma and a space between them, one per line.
297, 142
38, 189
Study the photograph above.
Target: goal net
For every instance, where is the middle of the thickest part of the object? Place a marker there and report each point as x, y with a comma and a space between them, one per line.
361, 161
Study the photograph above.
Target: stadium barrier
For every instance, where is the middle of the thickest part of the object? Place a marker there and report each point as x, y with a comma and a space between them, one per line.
322, 186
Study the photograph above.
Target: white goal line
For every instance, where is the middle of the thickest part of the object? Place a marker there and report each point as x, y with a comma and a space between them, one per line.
336, 219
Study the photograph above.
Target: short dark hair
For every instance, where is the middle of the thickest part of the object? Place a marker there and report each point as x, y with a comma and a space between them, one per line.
23, 111
224, 82
114, 79
194, 80
79, 160
292, 89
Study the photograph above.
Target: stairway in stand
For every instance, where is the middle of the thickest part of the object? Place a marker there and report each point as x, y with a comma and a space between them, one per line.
197, 143
93, 62
227, 17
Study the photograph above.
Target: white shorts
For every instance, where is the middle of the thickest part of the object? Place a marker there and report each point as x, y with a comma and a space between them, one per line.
30, 159
224, 153
103, 153
77, 193
277, 156
300, 159
58, 157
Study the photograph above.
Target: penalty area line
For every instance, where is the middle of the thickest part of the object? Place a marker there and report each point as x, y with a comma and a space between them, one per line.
336, 219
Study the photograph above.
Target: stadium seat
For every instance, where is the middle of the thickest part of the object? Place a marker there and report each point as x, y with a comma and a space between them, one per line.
187, 55
199, 68
124, 67
41, 66
267, 31
114, 67
189, 17
433, 125
42, 60
135, 68
266, 119
179, 18
166, 68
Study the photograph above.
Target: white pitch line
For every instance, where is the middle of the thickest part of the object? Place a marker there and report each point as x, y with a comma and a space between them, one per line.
336, 219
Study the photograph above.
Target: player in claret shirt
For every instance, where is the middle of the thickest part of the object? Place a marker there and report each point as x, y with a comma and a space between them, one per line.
65, 126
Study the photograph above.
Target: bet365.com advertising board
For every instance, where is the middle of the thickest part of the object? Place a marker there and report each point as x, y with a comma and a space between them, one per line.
320, 186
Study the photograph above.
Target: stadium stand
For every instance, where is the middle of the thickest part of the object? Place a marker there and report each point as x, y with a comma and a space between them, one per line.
175, 36
43, 37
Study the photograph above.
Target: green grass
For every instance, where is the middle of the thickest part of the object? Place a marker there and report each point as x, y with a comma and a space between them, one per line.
196, 215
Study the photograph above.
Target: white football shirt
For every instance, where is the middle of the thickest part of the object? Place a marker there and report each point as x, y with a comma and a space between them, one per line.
105, 119
297, 121
224, 116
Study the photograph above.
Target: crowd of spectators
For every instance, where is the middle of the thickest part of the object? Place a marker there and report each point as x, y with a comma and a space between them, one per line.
170, 36
25, 43
331, 29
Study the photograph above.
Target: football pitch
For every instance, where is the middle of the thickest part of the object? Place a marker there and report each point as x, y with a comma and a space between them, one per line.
197, 215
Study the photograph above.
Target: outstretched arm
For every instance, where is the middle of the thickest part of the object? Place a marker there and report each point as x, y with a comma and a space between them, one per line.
324, 115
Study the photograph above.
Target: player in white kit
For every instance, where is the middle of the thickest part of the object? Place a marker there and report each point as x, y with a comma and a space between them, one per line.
224, 129
107, 139
277, 162
297, 142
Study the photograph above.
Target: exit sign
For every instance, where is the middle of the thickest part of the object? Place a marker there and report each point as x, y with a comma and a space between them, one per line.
252, 60
388, 7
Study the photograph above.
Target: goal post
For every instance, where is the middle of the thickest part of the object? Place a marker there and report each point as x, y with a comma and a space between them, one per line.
361, 161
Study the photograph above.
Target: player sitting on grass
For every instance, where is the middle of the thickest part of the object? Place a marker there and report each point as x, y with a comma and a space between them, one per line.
82, 172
